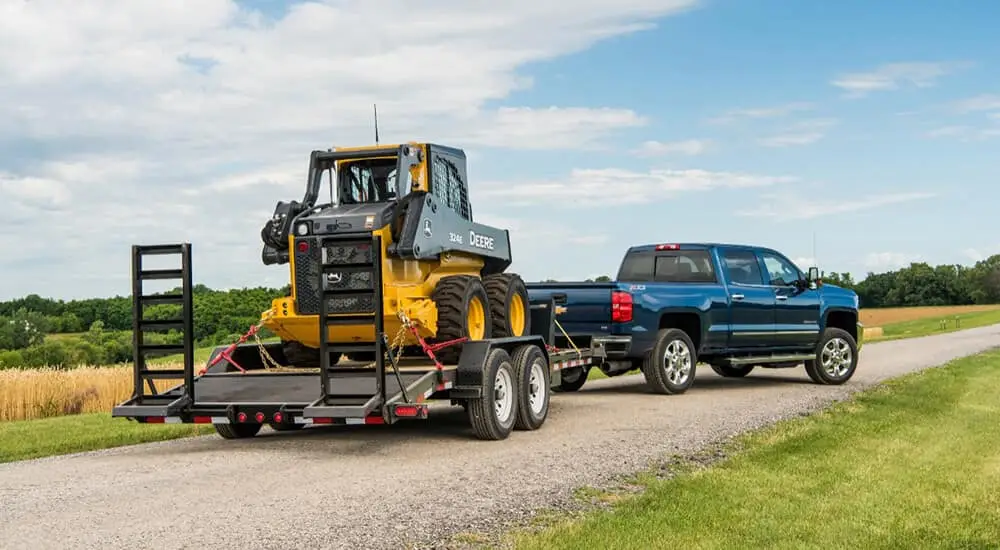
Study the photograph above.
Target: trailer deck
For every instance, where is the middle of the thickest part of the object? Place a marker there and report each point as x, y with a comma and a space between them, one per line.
239, 393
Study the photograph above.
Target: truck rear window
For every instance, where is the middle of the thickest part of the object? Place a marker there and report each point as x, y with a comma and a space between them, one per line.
675, 266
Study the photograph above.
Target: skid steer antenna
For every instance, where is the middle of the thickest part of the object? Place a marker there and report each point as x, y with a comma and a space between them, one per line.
375, 109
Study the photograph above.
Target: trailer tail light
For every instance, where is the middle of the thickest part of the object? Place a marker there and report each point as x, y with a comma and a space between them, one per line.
408, 411
155, 420
278, 418
668, 247
203, 420
303, 247
241, 418
621, 306
259, 417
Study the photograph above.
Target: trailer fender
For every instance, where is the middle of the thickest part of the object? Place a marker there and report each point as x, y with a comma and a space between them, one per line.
469, 373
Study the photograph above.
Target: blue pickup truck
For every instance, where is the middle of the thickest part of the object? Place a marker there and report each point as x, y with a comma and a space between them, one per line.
733, 307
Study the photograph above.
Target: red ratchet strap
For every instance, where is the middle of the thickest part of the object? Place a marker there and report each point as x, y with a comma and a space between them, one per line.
429, 349
227, 353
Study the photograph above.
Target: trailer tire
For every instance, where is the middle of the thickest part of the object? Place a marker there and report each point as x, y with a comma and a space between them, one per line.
285, 426
533, 375
675, 347
573, 383
238, 431
732, 371
494, 413
839, 345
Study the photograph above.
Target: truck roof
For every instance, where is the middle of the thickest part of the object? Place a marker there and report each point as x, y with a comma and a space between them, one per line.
696, 246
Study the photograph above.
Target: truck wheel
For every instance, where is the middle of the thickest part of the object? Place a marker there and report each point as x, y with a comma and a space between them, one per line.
836, 358
572, 379
670, 366
732, 371
508, 305
463, 312
532, 372
493, 414
238, 431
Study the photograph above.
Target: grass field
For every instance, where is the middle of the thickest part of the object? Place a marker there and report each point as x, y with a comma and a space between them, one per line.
913, 464
83, 432
884, 316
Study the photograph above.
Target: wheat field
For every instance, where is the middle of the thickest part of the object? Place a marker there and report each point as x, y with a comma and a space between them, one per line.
27, 394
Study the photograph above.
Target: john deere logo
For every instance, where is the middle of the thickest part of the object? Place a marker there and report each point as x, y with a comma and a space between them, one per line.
427, 229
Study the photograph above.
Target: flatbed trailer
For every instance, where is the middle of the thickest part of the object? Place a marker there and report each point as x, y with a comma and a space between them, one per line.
503, 383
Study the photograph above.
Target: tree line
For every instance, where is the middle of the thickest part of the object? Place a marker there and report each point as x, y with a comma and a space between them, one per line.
102, 327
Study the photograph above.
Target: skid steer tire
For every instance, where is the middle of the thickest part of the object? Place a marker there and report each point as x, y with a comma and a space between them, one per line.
303, 356
494, 414
460, 300
508, 305
532, 379
237, 431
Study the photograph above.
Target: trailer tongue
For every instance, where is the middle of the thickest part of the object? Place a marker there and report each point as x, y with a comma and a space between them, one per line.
503, 383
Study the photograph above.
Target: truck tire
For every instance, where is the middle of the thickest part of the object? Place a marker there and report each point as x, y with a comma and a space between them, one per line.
836, 358
493, 414
238, 431
508, 305
463, 312
670, 366
732, 371
576, 379
532, 372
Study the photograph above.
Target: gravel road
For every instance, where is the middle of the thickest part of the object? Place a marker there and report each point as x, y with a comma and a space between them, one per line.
384, 487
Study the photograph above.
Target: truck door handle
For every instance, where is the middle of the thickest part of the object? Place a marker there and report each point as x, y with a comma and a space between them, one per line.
781, 297
559, 298
738, 296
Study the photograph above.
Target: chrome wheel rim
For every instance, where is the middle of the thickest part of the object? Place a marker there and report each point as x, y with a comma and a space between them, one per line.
537, 391
677, 362
836, 357
503, 397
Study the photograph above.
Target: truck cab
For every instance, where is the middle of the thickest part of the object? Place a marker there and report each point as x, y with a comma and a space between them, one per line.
734, 307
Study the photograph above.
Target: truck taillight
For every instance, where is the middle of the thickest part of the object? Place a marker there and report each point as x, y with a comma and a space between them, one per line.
668, 247
621, 306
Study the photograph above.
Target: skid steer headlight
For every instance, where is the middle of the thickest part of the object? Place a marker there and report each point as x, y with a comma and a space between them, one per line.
302, 229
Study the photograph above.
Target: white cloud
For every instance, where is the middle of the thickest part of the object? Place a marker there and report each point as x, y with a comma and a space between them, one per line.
689, 147
886, 261
774, 111
147, 122
616, 186
783, 207
963, 133
984, 102
893, 76
974, 255
803, 132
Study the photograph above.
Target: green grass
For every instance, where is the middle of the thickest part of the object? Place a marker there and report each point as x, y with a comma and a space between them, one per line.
26, 439
932, 325
911, 464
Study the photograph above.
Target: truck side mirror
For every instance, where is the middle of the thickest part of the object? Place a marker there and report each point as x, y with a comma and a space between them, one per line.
813, 278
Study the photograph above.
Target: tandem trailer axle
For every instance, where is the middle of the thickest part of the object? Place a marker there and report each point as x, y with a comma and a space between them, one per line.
503, 383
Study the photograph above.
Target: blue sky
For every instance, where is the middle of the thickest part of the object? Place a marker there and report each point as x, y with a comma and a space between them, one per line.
590, 127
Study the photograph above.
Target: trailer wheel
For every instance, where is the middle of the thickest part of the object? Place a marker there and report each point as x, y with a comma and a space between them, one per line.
576, 379
670, 366
494, 413
238, 431
532, 371
836, 358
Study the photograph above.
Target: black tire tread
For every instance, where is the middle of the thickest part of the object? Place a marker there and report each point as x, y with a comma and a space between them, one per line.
522, 360
237, 431
655, 376
480, 411
498, 288
449, 297
813, 368
732, 371
565, 386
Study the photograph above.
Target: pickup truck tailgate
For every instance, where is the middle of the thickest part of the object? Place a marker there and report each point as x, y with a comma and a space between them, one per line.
588, 306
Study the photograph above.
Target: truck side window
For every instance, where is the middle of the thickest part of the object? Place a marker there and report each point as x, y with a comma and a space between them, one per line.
684, 266
742, 267
781, 272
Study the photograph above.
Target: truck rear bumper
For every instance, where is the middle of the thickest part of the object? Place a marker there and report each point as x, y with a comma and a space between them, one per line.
615, 347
